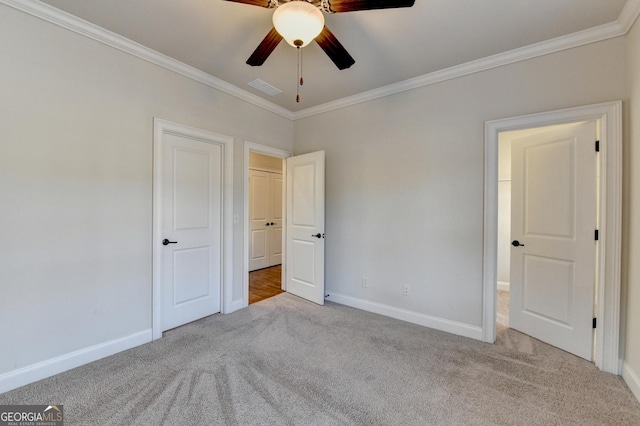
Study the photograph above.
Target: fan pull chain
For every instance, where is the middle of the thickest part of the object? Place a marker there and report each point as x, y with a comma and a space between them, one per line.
300, 80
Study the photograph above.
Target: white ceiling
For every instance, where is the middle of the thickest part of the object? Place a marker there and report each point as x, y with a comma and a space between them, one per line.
389, 46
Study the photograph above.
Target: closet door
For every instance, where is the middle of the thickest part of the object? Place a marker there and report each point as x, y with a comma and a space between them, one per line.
265, 219
259, 219
276, 221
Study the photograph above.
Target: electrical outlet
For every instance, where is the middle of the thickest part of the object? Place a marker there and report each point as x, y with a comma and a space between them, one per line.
406, 290
365, 282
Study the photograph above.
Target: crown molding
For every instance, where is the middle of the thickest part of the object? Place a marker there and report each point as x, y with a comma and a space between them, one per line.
87, 29
629, 14
603, 32
621, 26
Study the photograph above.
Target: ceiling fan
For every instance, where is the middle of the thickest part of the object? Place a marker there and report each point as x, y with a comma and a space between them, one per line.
301, 21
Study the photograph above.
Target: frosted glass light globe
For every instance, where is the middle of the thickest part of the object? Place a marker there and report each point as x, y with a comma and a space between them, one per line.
298, 20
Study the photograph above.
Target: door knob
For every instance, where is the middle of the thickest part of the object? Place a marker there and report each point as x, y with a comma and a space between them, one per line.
267, 224
318, 235
272, 224
166, 242
516, 243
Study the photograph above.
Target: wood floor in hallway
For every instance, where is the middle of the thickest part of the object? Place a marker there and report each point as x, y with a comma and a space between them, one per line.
265, 283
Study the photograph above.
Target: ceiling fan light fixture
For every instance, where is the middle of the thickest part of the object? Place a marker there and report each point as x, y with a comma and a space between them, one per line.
298, 22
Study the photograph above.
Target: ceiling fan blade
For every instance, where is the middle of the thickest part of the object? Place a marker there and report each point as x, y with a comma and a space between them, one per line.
264, 49
334, 49
338, 6
262, 3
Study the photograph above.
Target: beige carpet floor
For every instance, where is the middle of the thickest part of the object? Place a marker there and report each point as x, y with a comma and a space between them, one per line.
285, 361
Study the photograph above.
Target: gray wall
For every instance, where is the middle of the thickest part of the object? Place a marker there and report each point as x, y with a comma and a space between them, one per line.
404, 182
76, 184
631, 227
405, 176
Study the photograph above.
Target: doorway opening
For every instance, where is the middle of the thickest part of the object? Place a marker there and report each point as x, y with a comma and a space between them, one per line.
264, 222
608, 118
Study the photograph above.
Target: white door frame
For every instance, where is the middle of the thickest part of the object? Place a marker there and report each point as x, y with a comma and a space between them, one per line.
273, 152
609, 118
161, 128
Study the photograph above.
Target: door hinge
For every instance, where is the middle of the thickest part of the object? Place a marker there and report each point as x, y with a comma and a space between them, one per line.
596, 235
595, 322
597, 146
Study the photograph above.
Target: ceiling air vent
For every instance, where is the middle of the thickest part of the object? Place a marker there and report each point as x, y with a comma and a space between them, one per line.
264, 87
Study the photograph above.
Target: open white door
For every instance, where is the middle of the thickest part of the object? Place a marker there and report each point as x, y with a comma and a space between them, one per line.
305, 226
553, 253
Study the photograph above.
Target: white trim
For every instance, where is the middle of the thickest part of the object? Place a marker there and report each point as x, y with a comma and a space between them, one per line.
160, 128
629, 14
97, 33
632, 379
580, 38
273, 152
621, 26
41, 370
609, 116
503, 286
236, 305
266, 169
437, 323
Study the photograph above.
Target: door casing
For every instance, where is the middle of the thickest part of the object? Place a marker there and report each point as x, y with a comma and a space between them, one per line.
161, 128
609, 118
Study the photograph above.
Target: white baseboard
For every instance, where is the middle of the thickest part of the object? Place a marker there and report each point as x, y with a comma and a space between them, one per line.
235, 306
503, 286
632, 379
442, 324
41, 370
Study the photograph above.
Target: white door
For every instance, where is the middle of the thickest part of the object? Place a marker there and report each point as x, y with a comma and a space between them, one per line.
276, 221
265, 219
259, 219
305, 226
191, 229
553, 221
